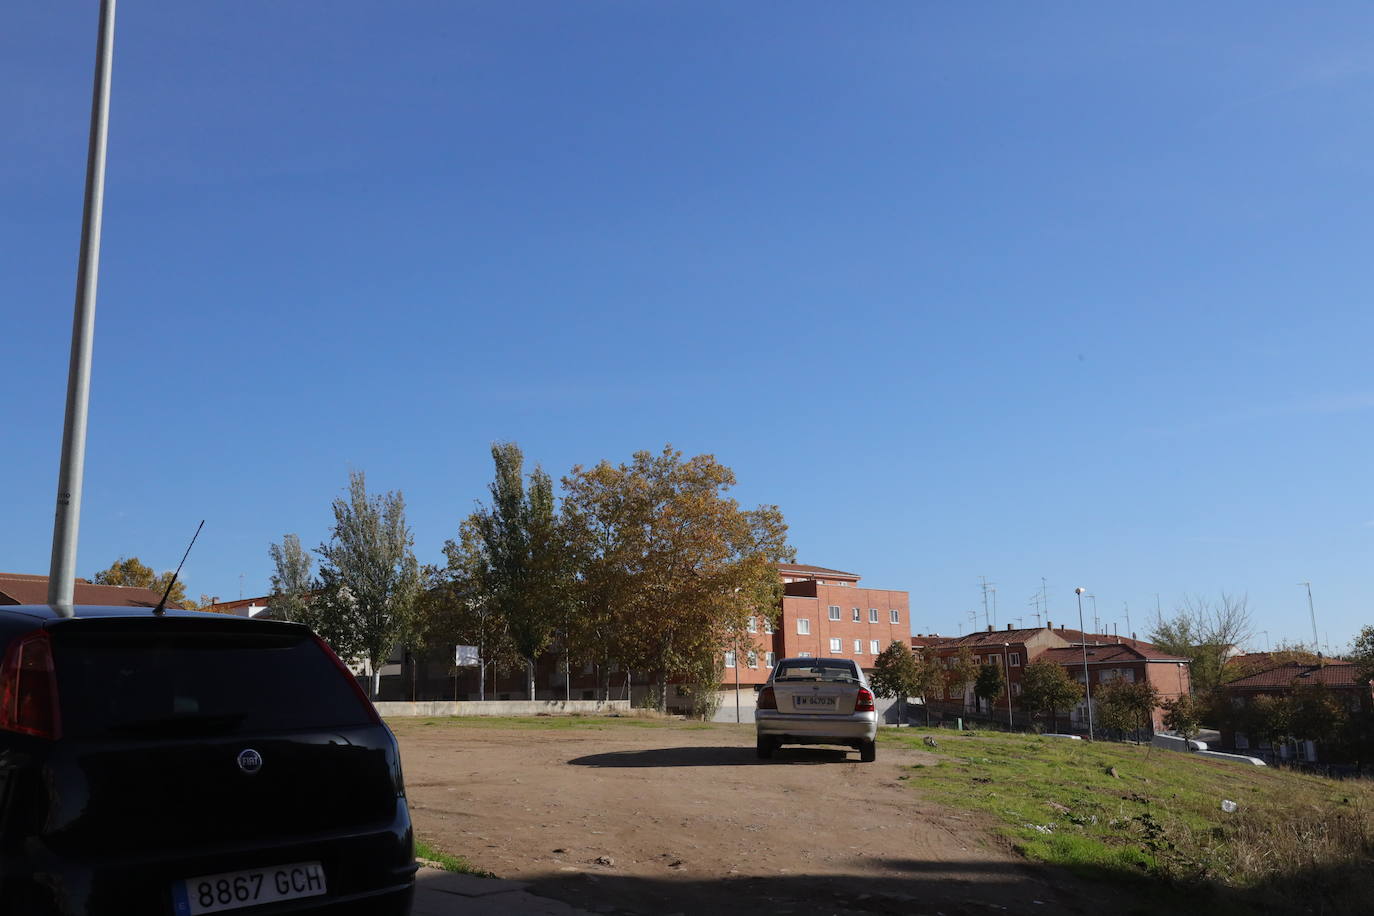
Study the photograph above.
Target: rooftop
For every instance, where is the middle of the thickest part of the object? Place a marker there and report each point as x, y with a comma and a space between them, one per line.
801, 569
1332, 674
22, 588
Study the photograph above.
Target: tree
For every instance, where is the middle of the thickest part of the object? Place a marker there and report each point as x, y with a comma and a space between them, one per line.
990, 683
1183, 716
457, 609
1127, 706
930, 678
1047, 688
1316, 713
1362, 654
668, 565
521, 569
1267, 718
292, 584
131, 573
369, 577
896, 674
1205, 632
964, 672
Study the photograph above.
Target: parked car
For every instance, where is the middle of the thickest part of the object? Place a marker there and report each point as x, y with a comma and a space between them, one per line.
817, 701
191, 763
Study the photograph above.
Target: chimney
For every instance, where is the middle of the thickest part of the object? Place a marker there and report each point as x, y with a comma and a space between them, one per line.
1049, 624
215, 599
1133, 639
989, 628
1008, 626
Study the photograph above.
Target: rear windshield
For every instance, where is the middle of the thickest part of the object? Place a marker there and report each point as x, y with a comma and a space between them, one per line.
810, 669
141, 684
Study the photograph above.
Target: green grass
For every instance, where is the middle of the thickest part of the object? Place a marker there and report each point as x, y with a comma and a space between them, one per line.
447, 861
1159, 823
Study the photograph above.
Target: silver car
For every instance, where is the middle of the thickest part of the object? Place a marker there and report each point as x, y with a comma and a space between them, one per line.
817, 701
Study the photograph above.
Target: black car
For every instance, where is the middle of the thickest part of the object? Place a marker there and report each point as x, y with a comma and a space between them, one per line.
191, 763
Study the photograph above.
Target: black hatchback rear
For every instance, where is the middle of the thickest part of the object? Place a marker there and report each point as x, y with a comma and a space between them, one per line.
188, 764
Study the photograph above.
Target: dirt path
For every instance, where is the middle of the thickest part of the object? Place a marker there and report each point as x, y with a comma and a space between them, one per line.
685, 819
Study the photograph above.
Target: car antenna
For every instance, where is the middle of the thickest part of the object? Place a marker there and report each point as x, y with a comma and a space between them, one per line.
162, 605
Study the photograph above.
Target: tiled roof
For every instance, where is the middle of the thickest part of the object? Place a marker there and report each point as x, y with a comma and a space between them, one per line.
1102, 639
21, 588
802, 569
1332, 674
994, 638
1111, 652
921, 640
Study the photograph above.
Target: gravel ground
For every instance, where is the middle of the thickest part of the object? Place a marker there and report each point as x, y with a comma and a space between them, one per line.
626, 817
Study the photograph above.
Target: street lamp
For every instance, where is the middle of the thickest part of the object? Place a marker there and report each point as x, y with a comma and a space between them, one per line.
1087, 681
1006, 667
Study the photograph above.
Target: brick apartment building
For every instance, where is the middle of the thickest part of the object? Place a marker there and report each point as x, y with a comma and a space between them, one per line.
824, 613
1110, 658
1337, 675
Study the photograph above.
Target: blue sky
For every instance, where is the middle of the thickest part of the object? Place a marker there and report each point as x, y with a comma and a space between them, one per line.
1020, 291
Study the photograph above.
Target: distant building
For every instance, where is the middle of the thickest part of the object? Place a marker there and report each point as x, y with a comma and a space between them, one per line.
1339, 676
1110, 658
20, 588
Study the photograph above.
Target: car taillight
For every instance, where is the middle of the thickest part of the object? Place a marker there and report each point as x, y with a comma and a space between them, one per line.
28, 688
767, 699
352, 681
864, 701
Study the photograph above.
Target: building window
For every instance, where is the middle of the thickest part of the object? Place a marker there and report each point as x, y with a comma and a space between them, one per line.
835, 645
872, 615
768, 624
770, 659
1016, 689
803, 626
834, 612
753, 625
858, 647
730, 659
874, 647
896, 615
1016, 659
858, 615
753, 658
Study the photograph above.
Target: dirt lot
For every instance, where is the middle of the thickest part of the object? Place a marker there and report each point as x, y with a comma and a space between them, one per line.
632, 816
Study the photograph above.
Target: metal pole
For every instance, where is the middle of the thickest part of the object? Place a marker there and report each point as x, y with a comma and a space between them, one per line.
1316, 644
1087, 680
67, 519
737, 661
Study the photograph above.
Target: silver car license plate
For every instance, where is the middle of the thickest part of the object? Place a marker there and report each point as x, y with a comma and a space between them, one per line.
234, 889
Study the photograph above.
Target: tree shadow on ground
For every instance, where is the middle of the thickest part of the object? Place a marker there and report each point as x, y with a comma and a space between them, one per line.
949, 888
715, 757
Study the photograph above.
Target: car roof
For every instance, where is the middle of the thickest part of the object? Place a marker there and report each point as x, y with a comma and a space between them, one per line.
88, 611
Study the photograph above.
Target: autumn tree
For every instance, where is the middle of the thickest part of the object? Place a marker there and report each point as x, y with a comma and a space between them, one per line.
964, 672
1127, 706
897, 674
1362, 654
130, 572
670, 567
369, 577
1183, 716
1047, 688
990, 683
1316, 714
293, 586
930, 678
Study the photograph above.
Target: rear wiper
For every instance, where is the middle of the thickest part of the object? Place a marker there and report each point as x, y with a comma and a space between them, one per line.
181, 724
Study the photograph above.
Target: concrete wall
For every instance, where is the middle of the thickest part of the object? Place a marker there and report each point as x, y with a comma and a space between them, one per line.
503, 708
748, 702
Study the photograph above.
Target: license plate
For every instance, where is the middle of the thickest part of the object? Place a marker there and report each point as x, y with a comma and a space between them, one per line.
813, 701
233, 889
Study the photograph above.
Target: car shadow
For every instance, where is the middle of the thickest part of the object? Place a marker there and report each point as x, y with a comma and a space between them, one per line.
714, 757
